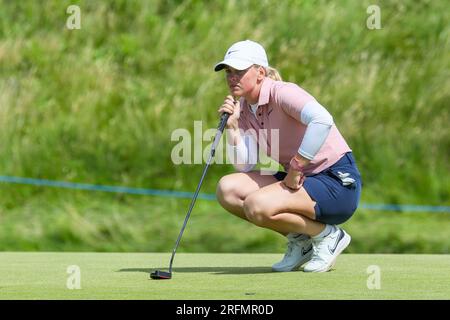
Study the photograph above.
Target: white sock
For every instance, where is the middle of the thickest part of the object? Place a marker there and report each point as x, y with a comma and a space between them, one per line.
328, 229
297, 236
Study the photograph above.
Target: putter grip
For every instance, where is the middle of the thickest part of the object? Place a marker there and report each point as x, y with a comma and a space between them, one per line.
223, 121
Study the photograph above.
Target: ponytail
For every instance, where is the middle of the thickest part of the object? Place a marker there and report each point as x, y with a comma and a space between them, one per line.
273, 74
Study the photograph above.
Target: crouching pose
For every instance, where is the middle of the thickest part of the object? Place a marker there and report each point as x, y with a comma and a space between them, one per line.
321, 185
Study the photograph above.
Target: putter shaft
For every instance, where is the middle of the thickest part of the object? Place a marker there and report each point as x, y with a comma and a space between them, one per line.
221, 127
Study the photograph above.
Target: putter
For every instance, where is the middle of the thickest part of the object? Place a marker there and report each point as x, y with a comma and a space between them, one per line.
161, 275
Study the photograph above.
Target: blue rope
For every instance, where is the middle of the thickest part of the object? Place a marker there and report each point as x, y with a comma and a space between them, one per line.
404, 208
94, 187
189, 195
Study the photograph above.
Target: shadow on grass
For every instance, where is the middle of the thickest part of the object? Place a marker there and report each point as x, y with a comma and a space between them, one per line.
211, 270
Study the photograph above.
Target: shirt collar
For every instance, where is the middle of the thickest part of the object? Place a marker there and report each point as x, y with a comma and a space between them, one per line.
264, 94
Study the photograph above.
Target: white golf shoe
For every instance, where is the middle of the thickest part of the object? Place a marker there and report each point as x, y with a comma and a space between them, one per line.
299, 251
326, 250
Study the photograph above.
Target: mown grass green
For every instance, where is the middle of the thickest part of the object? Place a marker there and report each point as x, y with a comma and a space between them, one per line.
99, 104
219, 276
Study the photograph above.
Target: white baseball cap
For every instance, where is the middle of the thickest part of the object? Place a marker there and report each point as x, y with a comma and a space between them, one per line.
242, 55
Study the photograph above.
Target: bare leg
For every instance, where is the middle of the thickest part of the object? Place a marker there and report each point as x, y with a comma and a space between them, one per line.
234, 188
281, 209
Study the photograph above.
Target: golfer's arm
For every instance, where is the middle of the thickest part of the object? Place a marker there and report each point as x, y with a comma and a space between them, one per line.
242, 151
233, 136
319, 122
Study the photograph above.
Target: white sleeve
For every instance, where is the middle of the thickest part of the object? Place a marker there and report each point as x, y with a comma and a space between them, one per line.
319, 122
243, 156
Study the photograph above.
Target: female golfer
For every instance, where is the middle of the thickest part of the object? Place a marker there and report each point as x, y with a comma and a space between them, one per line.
321, 186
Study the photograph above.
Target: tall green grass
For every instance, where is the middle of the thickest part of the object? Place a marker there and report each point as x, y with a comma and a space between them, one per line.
99, 104
83, 221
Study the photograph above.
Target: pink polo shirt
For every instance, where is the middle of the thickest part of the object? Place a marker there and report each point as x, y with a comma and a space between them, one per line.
280, 105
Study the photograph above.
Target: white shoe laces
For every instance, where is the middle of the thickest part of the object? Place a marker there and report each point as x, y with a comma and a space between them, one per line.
290, 247
317, 247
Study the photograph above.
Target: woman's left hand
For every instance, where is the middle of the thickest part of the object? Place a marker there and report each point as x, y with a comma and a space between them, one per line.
294, 179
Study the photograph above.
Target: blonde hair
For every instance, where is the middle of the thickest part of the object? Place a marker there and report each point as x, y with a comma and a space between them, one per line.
273, 74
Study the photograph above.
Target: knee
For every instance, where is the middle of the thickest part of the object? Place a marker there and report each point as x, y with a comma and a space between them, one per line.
226, 190
255, 212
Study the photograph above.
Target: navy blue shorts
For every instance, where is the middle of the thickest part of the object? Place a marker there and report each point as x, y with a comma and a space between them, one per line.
333, 190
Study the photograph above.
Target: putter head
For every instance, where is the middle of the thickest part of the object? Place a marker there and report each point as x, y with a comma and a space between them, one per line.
160, 275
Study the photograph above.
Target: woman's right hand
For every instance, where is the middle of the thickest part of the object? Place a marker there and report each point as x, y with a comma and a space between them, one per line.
232, 107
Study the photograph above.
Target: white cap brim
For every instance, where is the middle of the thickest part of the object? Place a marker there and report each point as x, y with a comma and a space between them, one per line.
237, 64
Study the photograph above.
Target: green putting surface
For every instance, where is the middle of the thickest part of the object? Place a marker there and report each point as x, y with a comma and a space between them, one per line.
49, 275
